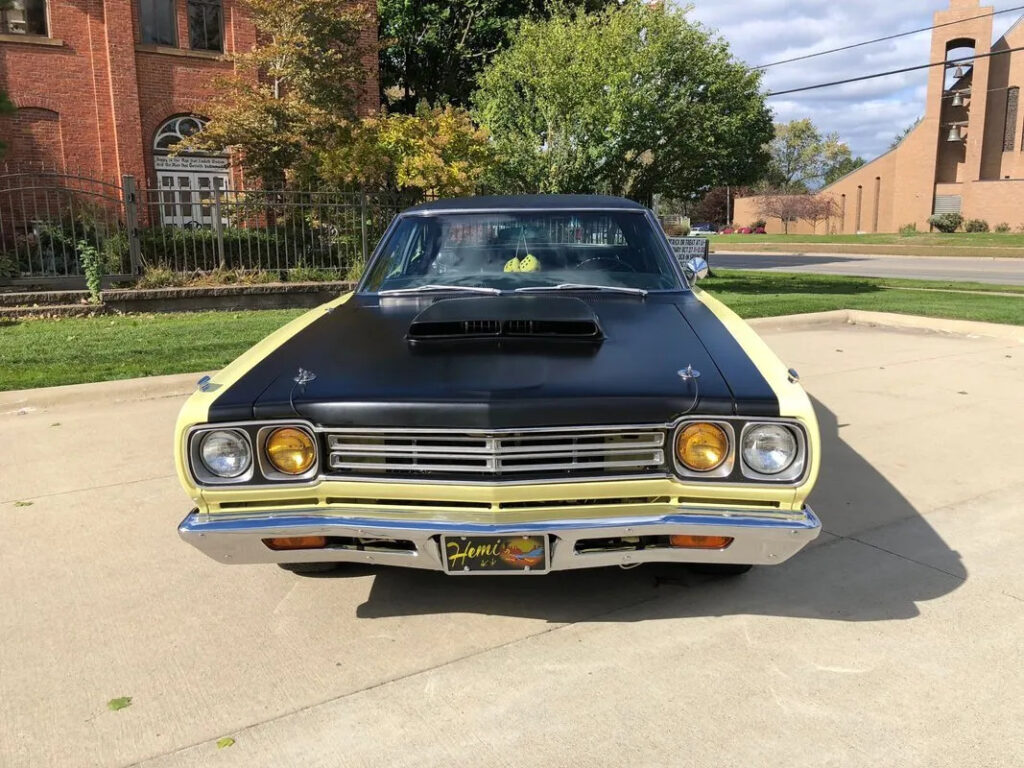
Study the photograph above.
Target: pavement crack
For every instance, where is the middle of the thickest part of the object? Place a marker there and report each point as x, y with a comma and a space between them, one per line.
35, 497
905, 557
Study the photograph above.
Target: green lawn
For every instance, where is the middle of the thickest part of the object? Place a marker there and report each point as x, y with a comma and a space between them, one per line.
767, 294
44, 353
38, 353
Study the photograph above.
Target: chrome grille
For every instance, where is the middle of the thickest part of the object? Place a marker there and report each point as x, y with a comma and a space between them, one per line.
554, 452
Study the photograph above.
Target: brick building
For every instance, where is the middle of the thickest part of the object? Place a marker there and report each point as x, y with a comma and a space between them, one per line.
965, 156
104, 87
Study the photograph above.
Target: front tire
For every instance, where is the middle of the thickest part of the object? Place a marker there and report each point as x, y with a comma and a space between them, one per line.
309, 569
722, 570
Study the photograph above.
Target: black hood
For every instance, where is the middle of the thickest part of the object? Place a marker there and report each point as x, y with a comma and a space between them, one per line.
370, 374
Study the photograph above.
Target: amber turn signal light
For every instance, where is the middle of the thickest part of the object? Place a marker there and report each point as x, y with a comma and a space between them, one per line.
702, 447
291, 451
296, 542
700, 542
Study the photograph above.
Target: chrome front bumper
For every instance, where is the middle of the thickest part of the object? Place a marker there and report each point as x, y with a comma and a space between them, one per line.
757, 538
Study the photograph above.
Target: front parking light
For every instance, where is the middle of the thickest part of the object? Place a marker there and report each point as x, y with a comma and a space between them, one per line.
699, 542
702, 446
291, 451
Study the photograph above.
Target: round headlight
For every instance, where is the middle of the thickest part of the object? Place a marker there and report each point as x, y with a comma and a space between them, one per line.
291, 451
769, 449
225, 453
702, 447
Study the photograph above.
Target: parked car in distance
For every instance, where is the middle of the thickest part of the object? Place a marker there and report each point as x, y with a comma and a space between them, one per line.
517, 385
704, 228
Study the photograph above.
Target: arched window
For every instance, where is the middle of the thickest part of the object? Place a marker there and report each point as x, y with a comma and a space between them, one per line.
176, 129
188, 182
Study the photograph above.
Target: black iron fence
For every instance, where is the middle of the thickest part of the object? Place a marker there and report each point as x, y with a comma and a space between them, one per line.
47, 219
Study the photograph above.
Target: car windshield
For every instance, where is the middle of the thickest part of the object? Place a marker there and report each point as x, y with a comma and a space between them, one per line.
509, 251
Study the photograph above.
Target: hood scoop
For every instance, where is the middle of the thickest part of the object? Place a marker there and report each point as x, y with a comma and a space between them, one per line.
499, 318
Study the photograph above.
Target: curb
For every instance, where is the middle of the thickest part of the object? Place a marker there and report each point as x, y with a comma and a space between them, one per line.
795, 251
892, 320
109, 392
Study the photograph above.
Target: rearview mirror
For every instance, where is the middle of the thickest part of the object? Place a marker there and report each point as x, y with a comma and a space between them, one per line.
696, 269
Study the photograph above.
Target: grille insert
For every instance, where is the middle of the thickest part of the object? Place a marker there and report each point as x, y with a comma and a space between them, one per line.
554, 453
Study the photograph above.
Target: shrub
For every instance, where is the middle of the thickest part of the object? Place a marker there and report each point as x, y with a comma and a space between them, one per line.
976, 225
160, 277
8, 266
908, 229
1002, 228
217, 277
115, 254
760, 230
677, 230
280, 247
313, 275
947, 222
92, 265
728, 231
759, 224
746, 231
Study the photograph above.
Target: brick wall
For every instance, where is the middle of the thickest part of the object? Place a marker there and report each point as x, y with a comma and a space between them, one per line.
93, 97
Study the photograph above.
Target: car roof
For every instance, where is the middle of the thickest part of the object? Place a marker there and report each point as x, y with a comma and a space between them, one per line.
528, 202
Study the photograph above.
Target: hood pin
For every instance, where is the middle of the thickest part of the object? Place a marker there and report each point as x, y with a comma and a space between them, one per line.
689, 374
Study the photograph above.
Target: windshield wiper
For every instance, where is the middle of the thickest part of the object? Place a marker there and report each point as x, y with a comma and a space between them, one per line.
584, 287
436, 288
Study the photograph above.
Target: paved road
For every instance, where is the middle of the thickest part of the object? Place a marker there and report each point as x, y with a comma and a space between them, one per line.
894, 641
955, 268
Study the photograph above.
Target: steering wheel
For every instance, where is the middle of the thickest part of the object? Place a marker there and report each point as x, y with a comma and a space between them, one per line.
625, 267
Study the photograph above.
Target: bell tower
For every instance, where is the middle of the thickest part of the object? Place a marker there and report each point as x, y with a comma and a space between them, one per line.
958, 93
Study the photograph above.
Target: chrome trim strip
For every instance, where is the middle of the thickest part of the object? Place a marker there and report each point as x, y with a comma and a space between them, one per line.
487, 432
757, 538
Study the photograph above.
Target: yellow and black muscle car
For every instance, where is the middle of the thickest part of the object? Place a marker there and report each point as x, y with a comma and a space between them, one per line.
516, 386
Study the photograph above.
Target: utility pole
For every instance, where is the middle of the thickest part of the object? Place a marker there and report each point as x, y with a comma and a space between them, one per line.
728, 205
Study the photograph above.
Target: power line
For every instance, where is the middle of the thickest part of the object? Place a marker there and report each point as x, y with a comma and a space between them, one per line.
886, 38
894, 72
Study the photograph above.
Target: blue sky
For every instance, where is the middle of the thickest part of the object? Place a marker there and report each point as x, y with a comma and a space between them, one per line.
867, 115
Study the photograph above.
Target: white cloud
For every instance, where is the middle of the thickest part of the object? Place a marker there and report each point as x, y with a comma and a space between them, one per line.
867, 115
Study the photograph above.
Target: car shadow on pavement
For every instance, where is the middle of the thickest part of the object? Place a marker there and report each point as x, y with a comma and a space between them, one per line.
839, 577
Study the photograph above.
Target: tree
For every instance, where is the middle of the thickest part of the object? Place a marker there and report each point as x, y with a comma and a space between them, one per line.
787, 207
904, 133
6, 108
716, 205
434, 50
801, 158
437, 150
845, 166
294, 89
631, 100
818, 208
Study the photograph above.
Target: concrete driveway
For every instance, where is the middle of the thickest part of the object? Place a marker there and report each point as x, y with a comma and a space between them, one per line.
947, 268
894, 641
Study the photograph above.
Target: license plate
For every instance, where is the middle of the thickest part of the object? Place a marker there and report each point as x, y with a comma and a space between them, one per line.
495, 554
